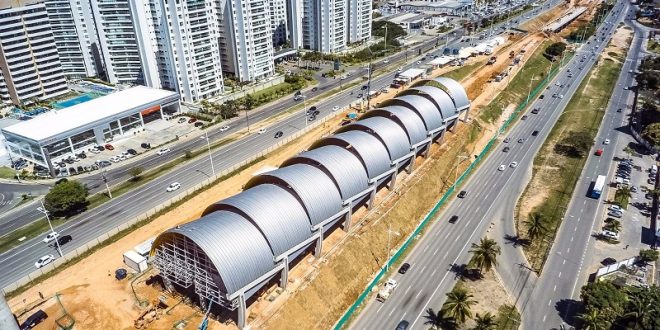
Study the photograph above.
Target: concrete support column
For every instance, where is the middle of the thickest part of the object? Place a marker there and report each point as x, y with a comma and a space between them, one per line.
425, 154
70, 144
319, 243
169, 287
441, 139
467, 112
141, 118
453, 126
7, 320
347, 218
242, 311
410, 167
372, 197
284, 278
392, 183
121, 130
162, 115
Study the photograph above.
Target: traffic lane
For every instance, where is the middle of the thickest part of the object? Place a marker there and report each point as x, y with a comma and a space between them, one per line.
17, 218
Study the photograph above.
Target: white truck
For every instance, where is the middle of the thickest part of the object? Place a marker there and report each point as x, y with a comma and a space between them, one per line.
386, 290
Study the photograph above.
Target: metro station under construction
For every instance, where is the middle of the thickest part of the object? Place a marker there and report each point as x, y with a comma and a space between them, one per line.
243, 242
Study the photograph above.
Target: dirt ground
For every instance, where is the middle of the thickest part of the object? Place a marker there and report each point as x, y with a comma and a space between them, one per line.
489, 293
95, 300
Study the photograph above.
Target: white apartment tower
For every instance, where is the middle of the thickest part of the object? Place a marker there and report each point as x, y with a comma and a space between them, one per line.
278, 21
75, 37
193, 35
29, 64
246, 39
359, 20
325, 25
294, 17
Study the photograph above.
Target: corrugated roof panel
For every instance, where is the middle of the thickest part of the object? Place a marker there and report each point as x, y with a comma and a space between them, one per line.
447, 106
429, 112
456, 92
411, 121
392, 135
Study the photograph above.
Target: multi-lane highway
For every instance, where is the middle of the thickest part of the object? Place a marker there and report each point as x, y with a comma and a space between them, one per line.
446, 245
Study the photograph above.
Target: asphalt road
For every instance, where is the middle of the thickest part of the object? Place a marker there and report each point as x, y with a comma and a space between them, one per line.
558, 287
444, 248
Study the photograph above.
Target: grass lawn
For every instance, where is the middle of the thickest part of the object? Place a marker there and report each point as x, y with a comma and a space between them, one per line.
462, 72
7, 173
621, 198
558, 173
536, 67
653, 46
34, 229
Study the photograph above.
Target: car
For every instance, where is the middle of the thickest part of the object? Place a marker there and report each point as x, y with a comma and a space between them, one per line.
224, 128
453, 219
542, 96
278, 134
633, 189
523, 117
173, 186
501, 168
625, 88
615, 214
64, 239
104, 163
163, 151
462, 194
386, 61
506, 149
651, 181
199, 124
192, 120
404, 268
43, 261
610, 234
535, 133
619, 110
109, 146
261, 131
100, 148
359, 96
555, 95
51, 237
403, 325
599, 152
335, 108
606, 141
506, 140
311, 110
314, 89
145, 145
181, 120
132, 152
34, 319
521, 140
608, 261
615, 208
535, 110
513, 164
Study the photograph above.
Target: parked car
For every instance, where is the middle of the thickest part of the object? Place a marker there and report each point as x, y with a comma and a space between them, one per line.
173, 186
34, 319
51, 237
199, 124
43, 261
523, 117
100, 148
335, 108
132, 152
109, 146
181, 120
192, 120
145, 145
404, 268
163, 151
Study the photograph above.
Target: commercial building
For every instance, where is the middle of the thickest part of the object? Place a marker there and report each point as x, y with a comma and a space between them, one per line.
56, 135
242, 243
29, 64
453, 8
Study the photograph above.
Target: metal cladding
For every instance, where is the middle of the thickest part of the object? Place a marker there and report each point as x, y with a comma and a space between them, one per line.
409, 120
390, 133
224, 236
248, 237
422, 106
312, 186
346, 170
279, 215
367, 147
456, 92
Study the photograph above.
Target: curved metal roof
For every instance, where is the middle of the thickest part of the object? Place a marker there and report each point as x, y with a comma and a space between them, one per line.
442, 99
235, 246
456, 91
423, 107
280, 216
315, 189
371, 151
408, 119
345, 169
389, 132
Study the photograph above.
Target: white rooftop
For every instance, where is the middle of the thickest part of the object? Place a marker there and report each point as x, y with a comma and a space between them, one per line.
58, 121
411, 73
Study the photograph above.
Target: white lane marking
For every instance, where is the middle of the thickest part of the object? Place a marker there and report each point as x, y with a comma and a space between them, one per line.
555, 288
559, 276
421, 271
436, 251
549, 302
408, 289
379, 308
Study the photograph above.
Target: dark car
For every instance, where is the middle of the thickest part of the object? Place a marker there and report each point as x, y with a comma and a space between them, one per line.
315, 89
521, 140
109, 146
541, 97
192, 120
462, 194
506, 149
523, 117
100, 148
403, 325
619, 110
145, 145
608, 261
535, 110
81, 155
199, 124
535, 133
453, 219
278, 134
64, 239
404, 268
132, 152
34, 319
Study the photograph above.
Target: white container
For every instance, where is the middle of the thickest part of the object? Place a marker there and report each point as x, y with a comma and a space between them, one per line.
135, 261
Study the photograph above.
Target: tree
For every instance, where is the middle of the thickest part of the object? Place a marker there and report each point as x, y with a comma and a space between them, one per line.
648, 255
556, 49
484, 322
136, 172
614, 225
629, 151
188, 154
604, 297
484, 254
535, 226
458, 304
249, 102
66, 197
593, 320
638, 312
438, 320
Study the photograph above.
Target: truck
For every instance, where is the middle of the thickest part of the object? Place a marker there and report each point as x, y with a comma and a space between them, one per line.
511, 54
492, 60
597, 189
386, 290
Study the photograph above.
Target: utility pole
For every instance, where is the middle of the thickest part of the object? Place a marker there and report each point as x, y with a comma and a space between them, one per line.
208, 145
369, 86
43, 210
247, 120
105, 180
389, 241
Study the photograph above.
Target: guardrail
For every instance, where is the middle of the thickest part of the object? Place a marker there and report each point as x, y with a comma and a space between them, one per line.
109, 234
411, 238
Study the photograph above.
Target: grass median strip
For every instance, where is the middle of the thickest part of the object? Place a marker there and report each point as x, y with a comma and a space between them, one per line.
559, 163
34, 229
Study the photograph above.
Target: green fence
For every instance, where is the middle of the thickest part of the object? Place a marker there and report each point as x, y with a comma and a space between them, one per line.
450, 192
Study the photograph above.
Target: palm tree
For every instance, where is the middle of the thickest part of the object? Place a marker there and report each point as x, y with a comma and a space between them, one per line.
484, 322
639, 312
592, 320
614, 226
438, 320
484, 254
535, 226
458, 304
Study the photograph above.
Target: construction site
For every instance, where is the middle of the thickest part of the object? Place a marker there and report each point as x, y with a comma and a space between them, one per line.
329, 209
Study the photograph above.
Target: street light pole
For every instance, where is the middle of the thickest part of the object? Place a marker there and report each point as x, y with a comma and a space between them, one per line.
389, 241
43, 210
208, 145
105, 180
305, 108
247, 120
529, 94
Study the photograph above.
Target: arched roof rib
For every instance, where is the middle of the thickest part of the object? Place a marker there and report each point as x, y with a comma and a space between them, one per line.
314, 188
441, 99
371, 151
427, 110
233, 244
347, 172
387, 131
408, 119
456, 92
278, 214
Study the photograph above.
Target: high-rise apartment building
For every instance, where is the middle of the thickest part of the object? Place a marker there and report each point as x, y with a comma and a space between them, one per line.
278, 21
325, 25
29, 61
359, 20
75, 37
246, 39
294, 20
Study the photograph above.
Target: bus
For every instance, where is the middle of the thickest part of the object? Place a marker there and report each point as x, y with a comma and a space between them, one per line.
598, 187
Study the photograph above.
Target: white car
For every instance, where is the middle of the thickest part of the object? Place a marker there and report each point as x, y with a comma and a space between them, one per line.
513, 164
45, 260
261, 131
610, 234
115, 159
163, 151
224, 128
561, 96
501, 168
386, 61
615, 208
335, 108
606, 141
173, 186
51, 237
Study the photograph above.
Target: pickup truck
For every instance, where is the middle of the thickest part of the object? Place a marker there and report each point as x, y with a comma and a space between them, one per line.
386, 290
